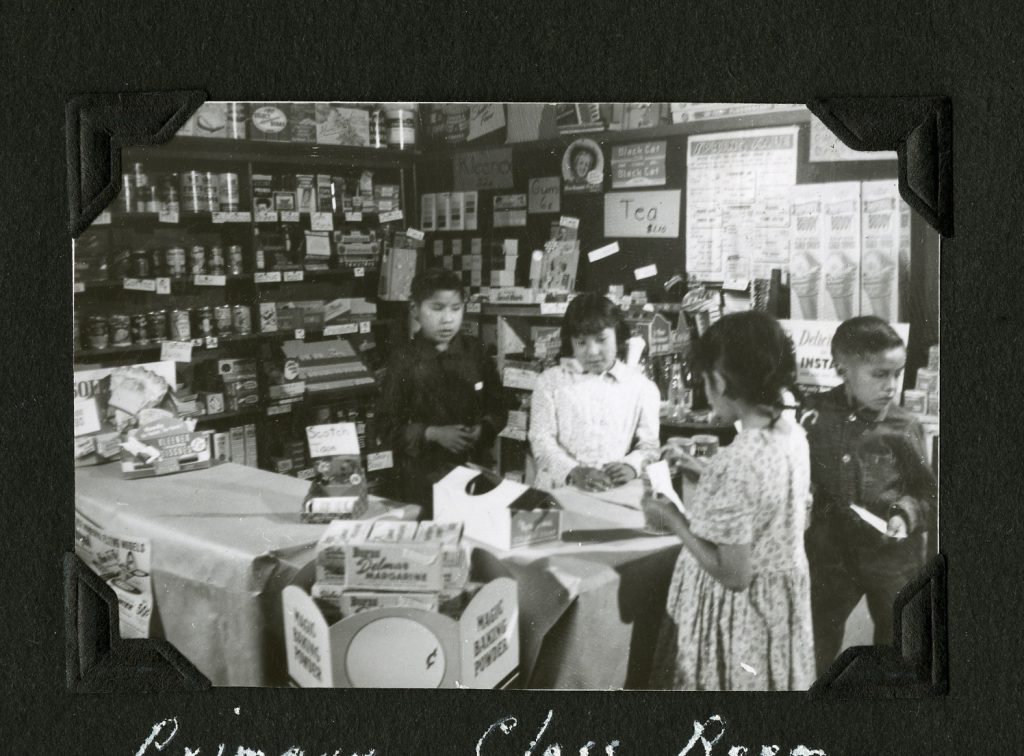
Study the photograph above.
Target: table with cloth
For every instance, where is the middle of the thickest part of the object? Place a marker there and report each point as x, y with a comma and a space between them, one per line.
227, 540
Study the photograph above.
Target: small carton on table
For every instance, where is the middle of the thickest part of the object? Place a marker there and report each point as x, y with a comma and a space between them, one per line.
506, 516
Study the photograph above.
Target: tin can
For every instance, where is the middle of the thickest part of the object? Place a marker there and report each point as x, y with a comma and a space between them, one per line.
175, 257
140, 267
143, 197
76, 331
126, 200
198, 260
139, 175
211, 193
99, 332
203, 321
400, 118
235, 260
222, 319
193, 191
153, 202
228, 191
237, 117
705, 446
241, 320
157, 324
169, 202
158, 263
181, 325
378, 131
215, 260
120, 263
140, 329
120, 327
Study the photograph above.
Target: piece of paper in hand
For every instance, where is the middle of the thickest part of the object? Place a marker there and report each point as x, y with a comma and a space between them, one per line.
871, 519
661, 483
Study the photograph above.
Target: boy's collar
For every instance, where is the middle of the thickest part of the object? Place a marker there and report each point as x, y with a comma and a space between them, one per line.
865, 413
454, 346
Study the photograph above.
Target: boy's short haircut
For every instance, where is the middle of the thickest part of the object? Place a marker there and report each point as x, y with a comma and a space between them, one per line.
432, 280
587, 315
864, 336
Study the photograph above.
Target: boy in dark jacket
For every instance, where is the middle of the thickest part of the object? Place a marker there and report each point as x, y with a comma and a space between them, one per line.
868, 452
441, 403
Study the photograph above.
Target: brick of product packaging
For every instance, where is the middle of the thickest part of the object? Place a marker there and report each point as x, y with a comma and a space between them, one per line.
476, 278
213, 401
209, 121
330, 549
262, 192
250, 445
392, 530
238, 445
306, 473
337, 124
222, 447
442, 532
282, 465
241, 402
394, 566
237, 369
353, 602
240, 387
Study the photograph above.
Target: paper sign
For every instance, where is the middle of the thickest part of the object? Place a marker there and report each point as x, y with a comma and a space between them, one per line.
211, 342
638, 164
661, 483
485, 118
569, 222
169, 216
646, 215
354, 217
103, 219
488, 169
300, 334
364, 326
262, 278
266, 216
603, 252
87, 417
359, 272
294, 275
139, 284
322, 222
197, 343
289, 216
163, 285
334, 438
383, 460
645, 272
176, 351
414, 233
545, 195
318, 244
394, 215
202, 280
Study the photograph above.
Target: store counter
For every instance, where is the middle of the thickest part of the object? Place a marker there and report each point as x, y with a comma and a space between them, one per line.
225, 542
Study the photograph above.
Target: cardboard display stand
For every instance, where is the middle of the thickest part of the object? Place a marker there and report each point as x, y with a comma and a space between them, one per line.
402, 647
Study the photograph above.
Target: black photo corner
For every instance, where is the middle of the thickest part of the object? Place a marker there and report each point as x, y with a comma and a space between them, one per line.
432, 396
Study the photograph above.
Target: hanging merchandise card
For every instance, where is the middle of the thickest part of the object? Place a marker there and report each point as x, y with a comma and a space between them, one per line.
428, 212
509, 210
881, 232
443, 200
456, 217
470, 203
729, 178
840, 295
807, 223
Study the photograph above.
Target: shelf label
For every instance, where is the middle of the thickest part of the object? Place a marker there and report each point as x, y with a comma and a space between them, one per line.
271, 277
279, 409
300, 334
289, 216
139, 284
168, 216
382, 460
359, 272
78, 287
354, 217
602, 252
340, 329
393, 215
204, 280
163, 285
322, 222
553, 308
332, 439
294, 275
232, 217
364, 326
646, 271
414, 233
176, 351
266, 216
569, 222
211, 342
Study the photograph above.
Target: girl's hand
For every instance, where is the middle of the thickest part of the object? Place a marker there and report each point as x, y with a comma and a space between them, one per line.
589, 479
693, 467
666, 510
897, 527
619, 473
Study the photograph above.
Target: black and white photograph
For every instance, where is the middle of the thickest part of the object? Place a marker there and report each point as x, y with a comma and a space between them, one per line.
335, 429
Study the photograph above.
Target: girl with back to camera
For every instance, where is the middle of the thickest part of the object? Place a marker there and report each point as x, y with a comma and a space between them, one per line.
738, 614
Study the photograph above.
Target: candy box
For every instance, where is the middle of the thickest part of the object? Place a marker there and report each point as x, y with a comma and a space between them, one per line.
164, 446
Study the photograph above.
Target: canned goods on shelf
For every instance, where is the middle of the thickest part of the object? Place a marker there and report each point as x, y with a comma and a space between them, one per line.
140, 328
158, 263
193, 191
198, 260
139, 175
228, 191
181, 325
120, 263
120, 330
203, 321
157, 324
143, 198
126, 200
176, 262
235, 260
140, 267
238, 114
215, 260
222, 319
241, 320
99, 332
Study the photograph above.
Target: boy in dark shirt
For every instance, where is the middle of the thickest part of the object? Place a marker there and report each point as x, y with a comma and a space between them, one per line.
869, 452
441, 403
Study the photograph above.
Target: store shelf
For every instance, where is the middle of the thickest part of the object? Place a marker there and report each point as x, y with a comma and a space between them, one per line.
249, 412
515, 311
86, 355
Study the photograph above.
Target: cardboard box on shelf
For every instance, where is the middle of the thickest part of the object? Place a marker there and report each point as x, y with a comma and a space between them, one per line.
251, 458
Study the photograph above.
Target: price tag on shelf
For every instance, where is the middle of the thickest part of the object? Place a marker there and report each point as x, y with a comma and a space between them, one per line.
279, 409
300, 334
569, 221
219, 217
334, 330
211, 342
646, 271
331, 439
364, 326
602, 252
266, 216
265, 277
205, 280
414, 233
168, 216
289, 216
382, 460
197, 343
176, 351
322, 222
553, 308
163, 285
473, 307
233, 217
354, 217
139, 284
78, 287
359, 272
103, 219
393, 215
294, 275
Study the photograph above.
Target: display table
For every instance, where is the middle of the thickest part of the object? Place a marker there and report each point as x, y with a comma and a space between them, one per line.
225, 543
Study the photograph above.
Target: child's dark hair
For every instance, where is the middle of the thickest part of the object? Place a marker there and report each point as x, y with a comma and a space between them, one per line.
753, 353
432, 280
864, 336
589, 314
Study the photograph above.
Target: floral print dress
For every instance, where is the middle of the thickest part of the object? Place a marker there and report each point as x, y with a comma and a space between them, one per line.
755, 491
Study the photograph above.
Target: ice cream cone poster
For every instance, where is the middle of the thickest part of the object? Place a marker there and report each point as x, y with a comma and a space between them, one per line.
840, 297
880, 239
807, 222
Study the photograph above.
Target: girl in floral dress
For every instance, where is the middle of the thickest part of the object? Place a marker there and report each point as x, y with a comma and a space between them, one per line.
738, 610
